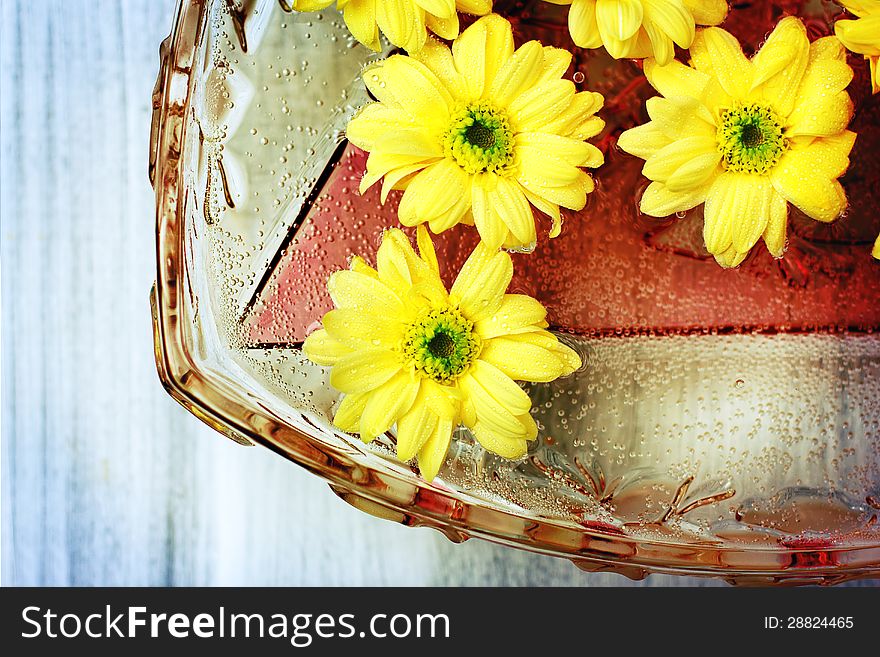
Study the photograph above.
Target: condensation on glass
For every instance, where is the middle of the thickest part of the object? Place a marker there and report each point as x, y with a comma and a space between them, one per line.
724, 423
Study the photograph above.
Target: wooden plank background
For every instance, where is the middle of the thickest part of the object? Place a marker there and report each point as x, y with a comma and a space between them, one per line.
105, 480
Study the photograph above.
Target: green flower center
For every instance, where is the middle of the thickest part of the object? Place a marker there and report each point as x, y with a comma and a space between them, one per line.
479, 138
751, 139
441, 344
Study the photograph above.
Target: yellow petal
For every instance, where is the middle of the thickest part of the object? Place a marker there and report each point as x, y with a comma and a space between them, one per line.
393, 261
489, 411
501, 387
350, 289
522, 360
474, 7
480, 50
643, 140
780, 64
582, 24
445, 28
546, 340
828, 156
662, 48
500, 444
797, 179
636, 47
572, 151
360, 266
668, 160
492, 230
457, 213
718, 54
360, 18
443, 400
518, 312
876, 251
387, 404
426, 249
695, 173
755, 214
618, 19
676, 79
322, 349
395, 165
707, 12
364, 370
737, 212
681, 115
438, 57
518, 74
718, 223
824, 116
433, 193
548, 208
556, 63
414, 429
348, 415
402, 22
537, 106
774, 235
433, 452
730, 257
822, 107
577, 121
572, 195
513, 209
439, 8
541, 167
481, 283
673, 19
860, 36
311, 5
407, 84
377, 127
660, 201
357, 329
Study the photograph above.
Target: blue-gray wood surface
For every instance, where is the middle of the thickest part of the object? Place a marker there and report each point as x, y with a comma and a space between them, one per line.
105, 480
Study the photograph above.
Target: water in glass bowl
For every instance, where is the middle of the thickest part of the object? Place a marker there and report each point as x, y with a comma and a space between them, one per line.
722, 405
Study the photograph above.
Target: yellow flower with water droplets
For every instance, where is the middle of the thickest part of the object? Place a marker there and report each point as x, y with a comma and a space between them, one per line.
404, 22
747, 137
479, 133
407, 352
640, 28
863, 34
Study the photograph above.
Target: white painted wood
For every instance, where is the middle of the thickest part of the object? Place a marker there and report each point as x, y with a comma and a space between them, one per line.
105, 480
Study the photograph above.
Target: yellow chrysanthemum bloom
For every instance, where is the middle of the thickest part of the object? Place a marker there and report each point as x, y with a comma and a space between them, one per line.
640, 28
404, 22
863, 34
406, 351
747, 137
477, 133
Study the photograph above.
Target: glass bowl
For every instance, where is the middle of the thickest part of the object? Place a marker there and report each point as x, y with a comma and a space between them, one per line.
725, 423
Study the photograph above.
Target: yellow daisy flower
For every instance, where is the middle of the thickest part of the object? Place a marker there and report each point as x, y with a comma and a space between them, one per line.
406, 351
403, 22
863, 34
747, 137
477, 133
640, 28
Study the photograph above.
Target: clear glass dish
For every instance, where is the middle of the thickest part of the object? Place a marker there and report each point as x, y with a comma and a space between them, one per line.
724, 423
